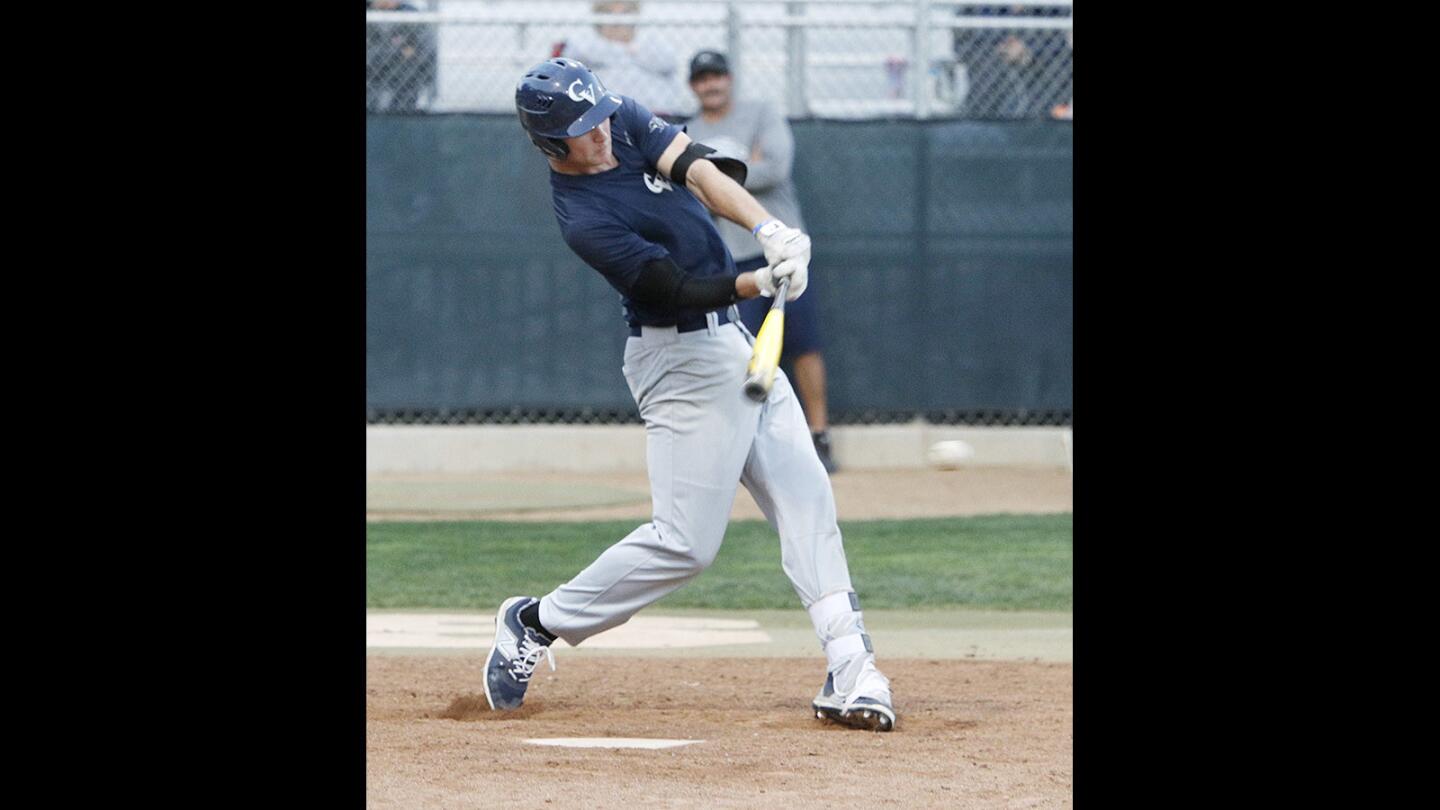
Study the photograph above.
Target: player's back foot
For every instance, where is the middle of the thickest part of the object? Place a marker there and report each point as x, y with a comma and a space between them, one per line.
513, 657
869, 706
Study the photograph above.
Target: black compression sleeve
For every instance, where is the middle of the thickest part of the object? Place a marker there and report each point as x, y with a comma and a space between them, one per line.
662, 283
707, 292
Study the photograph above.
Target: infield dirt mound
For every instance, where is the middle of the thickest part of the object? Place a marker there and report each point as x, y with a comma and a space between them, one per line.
971, 734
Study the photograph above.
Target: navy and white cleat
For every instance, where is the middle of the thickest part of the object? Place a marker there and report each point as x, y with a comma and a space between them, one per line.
513, 657
868, 713
871, 712
827, 704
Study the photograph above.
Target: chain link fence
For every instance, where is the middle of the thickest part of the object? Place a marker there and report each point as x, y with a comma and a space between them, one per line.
829, 59
842, 59
595, 416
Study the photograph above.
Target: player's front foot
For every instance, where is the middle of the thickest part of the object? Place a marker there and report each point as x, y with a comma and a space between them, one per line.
513, 657
868, 706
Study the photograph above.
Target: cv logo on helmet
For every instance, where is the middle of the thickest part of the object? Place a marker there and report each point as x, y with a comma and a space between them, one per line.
586, 93
657, 183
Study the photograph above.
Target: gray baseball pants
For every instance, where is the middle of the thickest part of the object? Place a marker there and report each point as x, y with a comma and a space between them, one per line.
704, 437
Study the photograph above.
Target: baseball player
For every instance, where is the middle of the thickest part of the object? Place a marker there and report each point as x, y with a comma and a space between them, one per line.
633, 196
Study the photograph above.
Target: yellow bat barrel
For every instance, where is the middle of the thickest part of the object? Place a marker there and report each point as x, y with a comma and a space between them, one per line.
765, 357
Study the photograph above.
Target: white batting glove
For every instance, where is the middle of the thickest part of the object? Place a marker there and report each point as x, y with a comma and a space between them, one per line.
768, 278
782, 242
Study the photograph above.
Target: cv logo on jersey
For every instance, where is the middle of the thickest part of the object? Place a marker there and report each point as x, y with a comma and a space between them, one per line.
657, 184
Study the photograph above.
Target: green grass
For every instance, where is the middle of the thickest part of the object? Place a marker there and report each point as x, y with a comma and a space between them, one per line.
1013, 562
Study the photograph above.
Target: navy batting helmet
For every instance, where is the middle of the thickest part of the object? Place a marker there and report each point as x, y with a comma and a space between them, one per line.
561, 98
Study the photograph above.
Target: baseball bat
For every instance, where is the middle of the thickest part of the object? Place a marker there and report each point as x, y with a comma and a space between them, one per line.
765, 356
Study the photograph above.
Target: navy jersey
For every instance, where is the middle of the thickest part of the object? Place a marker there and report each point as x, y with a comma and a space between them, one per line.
621, 218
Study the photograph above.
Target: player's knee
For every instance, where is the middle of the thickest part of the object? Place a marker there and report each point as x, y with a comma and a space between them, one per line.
699, 556
705, 558
691, 552
689, 561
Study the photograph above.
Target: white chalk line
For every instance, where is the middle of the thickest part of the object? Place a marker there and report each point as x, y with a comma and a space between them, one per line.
610, 742
471, 631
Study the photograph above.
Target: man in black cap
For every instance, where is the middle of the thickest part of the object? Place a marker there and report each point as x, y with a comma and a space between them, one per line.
754, 131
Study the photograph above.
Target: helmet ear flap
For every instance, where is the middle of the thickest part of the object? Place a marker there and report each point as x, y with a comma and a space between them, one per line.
554, 147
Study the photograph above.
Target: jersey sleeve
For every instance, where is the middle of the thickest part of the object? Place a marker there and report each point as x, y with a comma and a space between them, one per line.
614, 250
648, 131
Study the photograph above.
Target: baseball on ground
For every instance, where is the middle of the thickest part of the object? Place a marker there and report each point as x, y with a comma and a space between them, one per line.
948, 455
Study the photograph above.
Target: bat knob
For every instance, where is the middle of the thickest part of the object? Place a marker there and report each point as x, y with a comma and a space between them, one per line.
756, 390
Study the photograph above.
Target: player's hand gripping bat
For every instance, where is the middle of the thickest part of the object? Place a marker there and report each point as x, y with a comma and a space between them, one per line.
765, 356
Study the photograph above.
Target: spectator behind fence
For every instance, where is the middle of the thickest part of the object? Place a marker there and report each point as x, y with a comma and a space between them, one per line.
400, 61
754, 131
635, 64
1016, 73
1065, 110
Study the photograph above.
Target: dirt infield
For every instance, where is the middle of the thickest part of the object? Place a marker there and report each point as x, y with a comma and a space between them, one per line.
859, 495
971, 734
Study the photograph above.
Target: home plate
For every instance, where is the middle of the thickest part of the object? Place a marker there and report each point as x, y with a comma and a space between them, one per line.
610, 742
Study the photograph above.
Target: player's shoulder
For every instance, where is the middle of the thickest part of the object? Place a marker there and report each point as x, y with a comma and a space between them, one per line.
630, 109
639, 117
